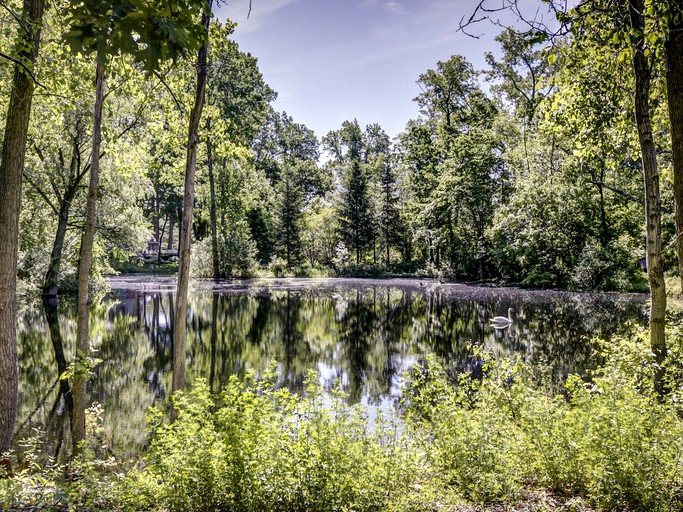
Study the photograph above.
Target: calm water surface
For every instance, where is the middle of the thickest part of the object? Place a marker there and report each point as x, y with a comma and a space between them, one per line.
362, 334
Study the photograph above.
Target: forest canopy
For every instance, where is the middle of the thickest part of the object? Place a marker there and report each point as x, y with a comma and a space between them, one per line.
525, 172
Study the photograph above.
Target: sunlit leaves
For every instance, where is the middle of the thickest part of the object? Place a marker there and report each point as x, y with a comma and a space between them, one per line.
151, 32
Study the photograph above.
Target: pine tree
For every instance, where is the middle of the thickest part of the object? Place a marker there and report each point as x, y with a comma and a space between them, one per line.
389, 218
355, 214
291, 200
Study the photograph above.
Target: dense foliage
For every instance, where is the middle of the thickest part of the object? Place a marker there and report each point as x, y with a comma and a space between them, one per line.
534, 182
503, 437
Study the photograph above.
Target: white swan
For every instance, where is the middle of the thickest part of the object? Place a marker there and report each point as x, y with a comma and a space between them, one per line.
501, 322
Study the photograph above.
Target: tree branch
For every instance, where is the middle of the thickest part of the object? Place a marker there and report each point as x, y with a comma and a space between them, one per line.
28, 71
40, 191
16, 17
170, 91
624, 194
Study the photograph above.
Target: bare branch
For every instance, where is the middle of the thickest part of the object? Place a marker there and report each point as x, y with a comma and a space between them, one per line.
170, 91
28, 178
28, 71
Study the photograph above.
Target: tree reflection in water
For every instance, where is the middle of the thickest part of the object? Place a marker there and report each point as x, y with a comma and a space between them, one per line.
362, 334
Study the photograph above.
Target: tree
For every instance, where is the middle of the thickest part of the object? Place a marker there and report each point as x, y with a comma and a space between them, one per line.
452, 159
626, 23
642, 69
355, 213
280, 143
240, 102
179, 334
151, 34
389, 219
445, 91
673, 49
525, 76
356, 226
624, 28
11, 169
289, 206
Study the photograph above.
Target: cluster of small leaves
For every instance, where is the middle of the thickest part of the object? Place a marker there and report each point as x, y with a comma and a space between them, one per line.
608, 20
89, 481
82, 366
152, 32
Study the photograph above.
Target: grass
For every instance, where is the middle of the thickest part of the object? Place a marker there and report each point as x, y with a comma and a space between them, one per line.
165, 269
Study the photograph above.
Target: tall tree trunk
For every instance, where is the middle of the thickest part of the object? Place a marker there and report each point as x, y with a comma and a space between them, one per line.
84, 265
386, 241
653, 228
51, 284
674, 88
180, 225
221, 183
11, 171
604, 235
212, 208
179, 333
162, 229
155, 219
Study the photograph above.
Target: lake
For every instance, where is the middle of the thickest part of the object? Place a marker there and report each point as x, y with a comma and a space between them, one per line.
362, 334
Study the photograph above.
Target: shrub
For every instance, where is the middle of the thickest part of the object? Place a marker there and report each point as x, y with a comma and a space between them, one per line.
236, 256
612, 267
255, 447
610, 441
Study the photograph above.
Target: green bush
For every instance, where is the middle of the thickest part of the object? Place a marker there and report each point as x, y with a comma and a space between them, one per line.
236, 256
611, 441
255, 447
612, 267
362, 270
607, 442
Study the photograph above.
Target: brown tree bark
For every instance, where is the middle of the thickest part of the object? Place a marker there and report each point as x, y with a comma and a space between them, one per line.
84, 265
171, 222
11, 171
653, 227
673, 49
180, 331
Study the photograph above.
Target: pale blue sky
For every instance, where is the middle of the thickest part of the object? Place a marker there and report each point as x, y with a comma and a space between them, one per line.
333, 60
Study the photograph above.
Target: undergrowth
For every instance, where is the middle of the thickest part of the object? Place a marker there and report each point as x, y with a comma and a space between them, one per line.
604, 443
